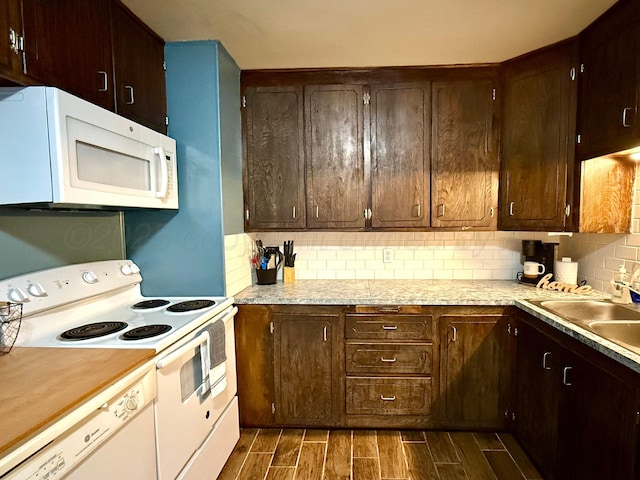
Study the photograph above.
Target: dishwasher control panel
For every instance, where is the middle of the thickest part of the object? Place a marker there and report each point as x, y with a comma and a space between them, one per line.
60, 456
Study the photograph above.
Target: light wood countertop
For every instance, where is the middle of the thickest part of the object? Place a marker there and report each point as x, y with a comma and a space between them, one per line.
40, 385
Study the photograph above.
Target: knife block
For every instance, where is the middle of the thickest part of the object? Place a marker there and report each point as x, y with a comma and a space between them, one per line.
289, 274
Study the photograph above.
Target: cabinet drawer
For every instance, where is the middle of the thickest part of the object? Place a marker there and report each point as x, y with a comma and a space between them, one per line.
388, 396
389, 358
389, 327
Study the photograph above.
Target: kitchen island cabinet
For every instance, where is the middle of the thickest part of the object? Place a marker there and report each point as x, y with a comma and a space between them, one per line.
575, 410
273, 158
609, 82
537, 169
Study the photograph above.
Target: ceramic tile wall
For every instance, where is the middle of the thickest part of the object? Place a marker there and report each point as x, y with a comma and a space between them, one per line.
416, 255
237, 255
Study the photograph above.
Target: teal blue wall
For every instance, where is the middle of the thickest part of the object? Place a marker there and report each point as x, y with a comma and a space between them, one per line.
182, 253
37, 240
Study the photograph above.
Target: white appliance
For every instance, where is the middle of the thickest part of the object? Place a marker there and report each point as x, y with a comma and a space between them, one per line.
61, 151
99, 305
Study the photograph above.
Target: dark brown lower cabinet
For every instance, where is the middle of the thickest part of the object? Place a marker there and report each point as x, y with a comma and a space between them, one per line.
473, 363
575, 410
305, 390
290, 364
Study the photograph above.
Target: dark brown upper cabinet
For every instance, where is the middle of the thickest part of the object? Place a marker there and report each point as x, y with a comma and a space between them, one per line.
400, 141
335, 177
12, 40
537, 170
68, 45
138, 56
610, 82
274, 158
464, 158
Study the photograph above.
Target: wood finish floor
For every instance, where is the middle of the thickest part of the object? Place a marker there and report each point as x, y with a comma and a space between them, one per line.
290, 454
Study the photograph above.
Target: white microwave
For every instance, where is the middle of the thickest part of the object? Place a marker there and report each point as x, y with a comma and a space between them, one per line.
60, 151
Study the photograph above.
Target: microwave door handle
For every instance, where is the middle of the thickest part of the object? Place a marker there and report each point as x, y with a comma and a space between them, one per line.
164, 170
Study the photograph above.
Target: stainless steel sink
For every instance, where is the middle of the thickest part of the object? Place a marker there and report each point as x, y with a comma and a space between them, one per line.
611, 321
589, 310
625, 333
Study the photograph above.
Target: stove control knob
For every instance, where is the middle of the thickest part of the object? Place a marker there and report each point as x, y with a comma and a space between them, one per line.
90, 277
37, 290
126, 269
18, 295
134, 268
131, 403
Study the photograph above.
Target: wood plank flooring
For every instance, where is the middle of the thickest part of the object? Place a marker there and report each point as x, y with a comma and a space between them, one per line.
296, 454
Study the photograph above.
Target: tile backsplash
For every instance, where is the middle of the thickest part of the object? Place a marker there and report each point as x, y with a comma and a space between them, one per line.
413, 255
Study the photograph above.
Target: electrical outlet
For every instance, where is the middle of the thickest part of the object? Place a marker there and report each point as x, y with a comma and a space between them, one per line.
387, 255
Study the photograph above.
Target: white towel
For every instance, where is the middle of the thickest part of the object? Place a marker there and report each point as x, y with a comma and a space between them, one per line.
218, 379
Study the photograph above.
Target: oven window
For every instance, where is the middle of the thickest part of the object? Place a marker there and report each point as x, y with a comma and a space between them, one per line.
191, 376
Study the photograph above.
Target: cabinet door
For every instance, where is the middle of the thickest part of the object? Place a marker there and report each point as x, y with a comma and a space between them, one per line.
304, 383
597, 423
11, 28
334, 126
254, 365
138, 56
471, 359
274, 158
535, 398
400, 118
464, 163
610, 51
68, 45
538, 145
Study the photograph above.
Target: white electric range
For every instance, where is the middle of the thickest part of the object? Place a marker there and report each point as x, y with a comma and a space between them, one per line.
100, 305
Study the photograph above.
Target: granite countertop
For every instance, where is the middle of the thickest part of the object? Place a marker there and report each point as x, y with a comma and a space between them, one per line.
398, 292
437, 292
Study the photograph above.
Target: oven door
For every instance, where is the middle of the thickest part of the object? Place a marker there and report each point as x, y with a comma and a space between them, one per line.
184, 405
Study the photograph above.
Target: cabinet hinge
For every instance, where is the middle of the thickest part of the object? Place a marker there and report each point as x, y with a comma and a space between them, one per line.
491, 212
515, 331
166, 120
506, 414
582, 68
273, 408
272, 329
572, 73
366, 99
244, 101
493, 94
567, 210
164, 66
579, 139
508, 329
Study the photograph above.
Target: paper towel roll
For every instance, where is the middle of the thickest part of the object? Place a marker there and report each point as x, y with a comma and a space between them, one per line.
567, 272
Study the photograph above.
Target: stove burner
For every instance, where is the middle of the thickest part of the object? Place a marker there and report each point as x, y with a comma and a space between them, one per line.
158, 302
93, 330
190, 305
146, 331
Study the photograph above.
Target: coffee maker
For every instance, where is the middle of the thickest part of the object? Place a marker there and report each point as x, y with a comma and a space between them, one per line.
538, 252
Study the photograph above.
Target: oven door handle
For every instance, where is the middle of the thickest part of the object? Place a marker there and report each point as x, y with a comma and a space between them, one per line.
187, 347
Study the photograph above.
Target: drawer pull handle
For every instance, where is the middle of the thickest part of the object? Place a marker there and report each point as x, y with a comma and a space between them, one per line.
388, 360
387, 399
545, 363
389, 327
389, 309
